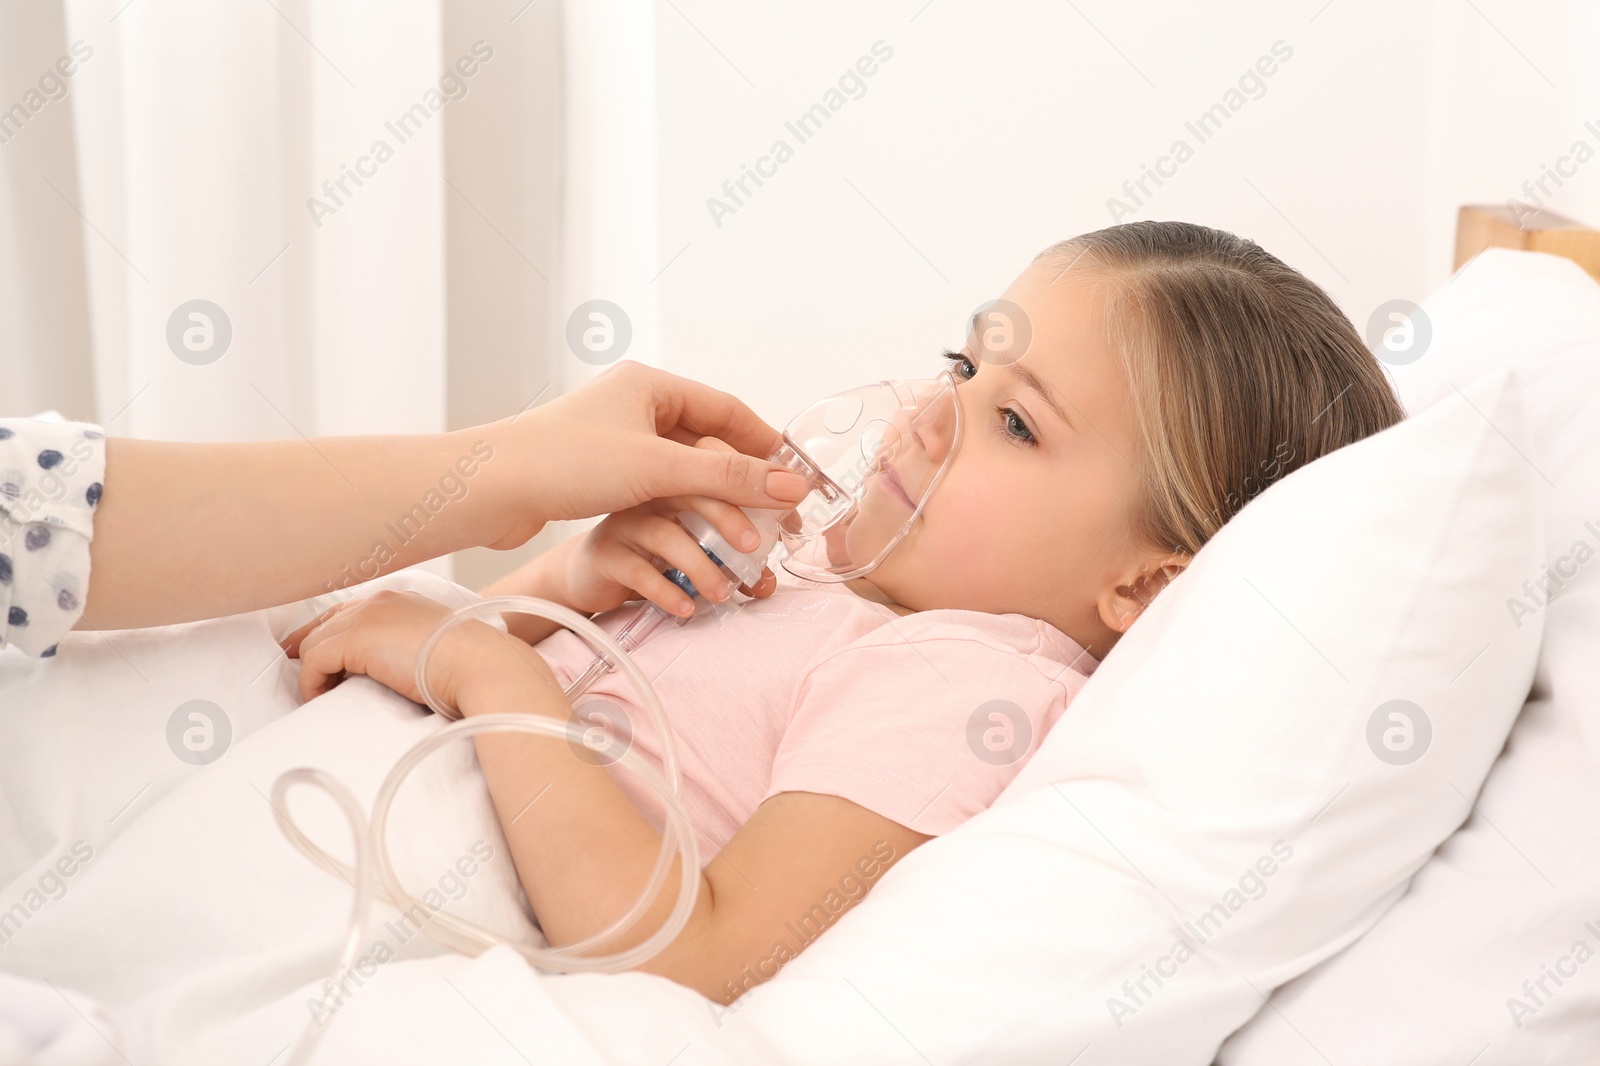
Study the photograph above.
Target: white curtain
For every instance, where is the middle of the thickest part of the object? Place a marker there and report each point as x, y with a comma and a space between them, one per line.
252, 156
229, 152
610, 248
44, 320
203, 130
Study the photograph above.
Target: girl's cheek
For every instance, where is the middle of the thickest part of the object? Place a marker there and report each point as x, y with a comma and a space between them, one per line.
951, 557
970, 517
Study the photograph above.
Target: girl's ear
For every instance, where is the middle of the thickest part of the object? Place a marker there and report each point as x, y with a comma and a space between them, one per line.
1125, 600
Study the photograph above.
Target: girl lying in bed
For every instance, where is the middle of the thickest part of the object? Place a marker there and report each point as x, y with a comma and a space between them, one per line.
825, 730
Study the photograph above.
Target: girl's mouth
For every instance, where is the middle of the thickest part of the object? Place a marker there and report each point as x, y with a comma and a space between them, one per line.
892, 480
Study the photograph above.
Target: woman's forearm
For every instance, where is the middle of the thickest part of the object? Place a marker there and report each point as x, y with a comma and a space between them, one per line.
188, 531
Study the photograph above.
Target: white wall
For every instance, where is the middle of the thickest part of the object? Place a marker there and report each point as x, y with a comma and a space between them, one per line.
997, 129
503, 168
580, 165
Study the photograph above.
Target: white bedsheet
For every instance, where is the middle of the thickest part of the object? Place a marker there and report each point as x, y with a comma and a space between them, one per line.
199, 933
202, 935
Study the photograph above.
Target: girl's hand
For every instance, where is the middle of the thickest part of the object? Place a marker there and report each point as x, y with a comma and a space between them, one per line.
379, 635
623, 557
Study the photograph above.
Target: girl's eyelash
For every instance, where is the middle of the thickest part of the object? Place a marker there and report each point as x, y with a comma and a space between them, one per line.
1002, 427
960, 357
1006, 415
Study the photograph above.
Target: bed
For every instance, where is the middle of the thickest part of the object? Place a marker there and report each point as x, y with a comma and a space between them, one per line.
1330, 801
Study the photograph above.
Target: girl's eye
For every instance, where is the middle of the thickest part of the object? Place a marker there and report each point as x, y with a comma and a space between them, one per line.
962, 365
1010, 425
1014, 429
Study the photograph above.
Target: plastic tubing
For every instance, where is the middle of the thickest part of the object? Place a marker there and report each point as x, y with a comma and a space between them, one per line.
629, 637
374, 872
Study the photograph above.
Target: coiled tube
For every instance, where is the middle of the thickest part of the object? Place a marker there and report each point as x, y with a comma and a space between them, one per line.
374, 872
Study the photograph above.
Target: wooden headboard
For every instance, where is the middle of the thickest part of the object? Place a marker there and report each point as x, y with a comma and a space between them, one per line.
1481, 226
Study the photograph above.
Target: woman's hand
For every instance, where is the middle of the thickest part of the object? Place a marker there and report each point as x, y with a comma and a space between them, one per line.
623, 557
627, 437
380, 635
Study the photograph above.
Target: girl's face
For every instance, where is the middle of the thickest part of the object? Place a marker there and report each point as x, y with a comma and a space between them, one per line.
1032, 516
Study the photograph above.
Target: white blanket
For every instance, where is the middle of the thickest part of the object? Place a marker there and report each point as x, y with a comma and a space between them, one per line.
200, 934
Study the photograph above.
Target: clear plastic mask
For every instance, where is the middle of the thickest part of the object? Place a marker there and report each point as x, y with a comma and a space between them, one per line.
873, 456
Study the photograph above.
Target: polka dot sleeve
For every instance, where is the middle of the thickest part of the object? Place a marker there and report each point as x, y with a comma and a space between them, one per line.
50, 482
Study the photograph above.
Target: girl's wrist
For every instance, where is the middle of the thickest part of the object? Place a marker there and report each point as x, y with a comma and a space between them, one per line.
542, 577
548, 576
500, 675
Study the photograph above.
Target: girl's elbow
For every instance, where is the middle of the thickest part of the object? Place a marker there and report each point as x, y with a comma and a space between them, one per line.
707, 960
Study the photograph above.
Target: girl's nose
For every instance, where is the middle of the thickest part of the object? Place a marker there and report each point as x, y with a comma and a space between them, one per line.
935, 426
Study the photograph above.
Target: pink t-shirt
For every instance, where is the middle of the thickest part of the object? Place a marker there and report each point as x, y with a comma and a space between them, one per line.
922, 718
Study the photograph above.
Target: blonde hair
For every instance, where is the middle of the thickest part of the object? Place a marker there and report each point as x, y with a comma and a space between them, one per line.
1242, 369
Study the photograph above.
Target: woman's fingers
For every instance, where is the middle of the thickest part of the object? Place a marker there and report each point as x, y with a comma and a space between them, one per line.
684, 404
673, 469
729, 520
625, 437
734, 525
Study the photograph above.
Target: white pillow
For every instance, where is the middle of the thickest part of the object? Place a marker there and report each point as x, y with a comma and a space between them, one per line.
1510, 897
1501, 309
1222, 777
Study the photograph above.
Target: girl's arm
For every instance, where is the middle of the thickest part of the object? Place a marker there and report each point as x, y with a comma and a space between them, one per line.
581, 848
583, 851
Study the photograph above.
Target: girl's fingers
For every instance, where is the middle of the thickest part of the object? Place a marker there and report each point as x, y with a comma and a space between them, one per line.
633, 570
730, 521
657, 535
321, 653
317, 673
765, 585
291, 643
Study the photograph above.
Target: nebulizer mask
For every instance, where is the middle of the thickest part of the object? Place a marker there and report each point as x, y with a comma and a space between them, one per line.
873, 457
